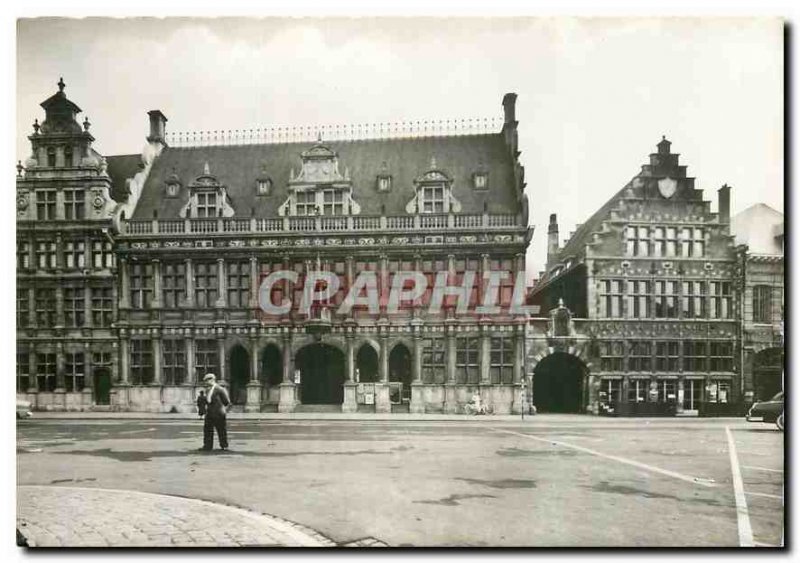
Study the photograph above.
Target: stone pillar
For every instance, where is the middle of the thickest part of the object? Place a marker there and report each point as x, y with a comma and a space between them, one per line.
32, 306
222, 292
681, 390
156, 303
189, 283
382, 401
254, 285
125, 296
223, 367
417, 405
124, 358
287, 400
59, 307
88, 376
32, 383
60, 382
253, 403
484, 356
349, 403
157, 358
450, 400
190, 375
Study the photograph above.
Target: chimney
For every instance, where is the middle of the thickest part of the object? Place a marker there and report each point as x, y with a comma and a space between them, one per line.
158, 126
552, 239
509, 107
510, 123
724, 207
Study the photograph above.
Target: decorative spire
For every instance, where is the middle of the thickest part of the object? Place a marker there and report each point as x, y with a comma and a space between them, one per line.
36, 126
61, 84
20, 168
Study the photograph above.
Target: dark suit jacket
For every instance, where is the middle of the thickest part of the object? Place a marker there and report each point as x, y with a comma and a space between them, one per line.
202, 403
219, 399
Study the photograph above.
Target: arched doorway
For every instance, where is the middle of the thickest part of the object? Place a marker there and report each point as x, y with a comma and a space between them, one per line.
240, 374
400, 369
767, 373
367, 364
321, 374
271, 366
558, 384
102, 386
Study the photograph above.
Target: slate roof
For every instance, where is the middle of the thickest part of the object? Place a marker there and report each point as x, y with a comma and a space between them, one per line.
239, 167
120, 168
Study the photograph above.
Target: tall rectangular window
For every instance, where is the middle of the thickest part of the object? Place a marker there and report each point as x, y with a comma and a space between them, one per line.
23, 255
46, 372
206, 359
432, 199
667, 356
721, 356
637, 390
671, 241
332, 202
640, 358
206, 205
692, 390
141, 361
433, 360
74, 206
173, 365
611, 392
501, 364
638, 241
46, 254
611, 356
659, 242
238, 283
45, 205
305, 203
693, 300
23, 307
102, 254
695, 355
74, 307
698, 242
638, 299
23, 371
173, 284
45, 300
102, 306
467, 359
74, 371
141, 284
75, 254
762, 304
666, 299
205, 284
667, 391
611, 299
720, 300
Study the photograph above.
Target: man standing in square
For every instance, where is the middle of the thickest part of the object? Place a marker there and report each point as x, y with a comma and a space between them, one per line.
218, 401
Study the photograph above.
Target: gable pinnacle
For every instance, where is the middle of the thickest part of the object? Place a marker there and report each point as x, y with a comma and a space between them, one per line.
61, 84
206, 170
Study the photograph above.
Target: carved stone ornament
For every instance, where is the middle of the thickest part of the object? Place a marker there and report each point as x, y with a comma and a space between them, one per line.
98, 202
667, 187
22, 202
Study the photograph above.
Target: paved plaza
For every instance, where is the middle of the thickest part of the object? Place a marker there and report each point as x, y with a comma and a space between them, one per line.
551, 480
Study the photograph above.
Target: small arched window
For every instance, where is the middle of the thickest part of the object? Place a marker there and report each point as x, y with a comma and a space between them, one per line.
68, 156
51, 157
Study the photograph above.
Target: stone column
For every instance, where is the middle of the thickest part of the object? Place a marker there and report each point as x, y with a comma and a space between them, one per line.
382, 401
417, 405
87, 307
157, 358
484, 356
125, 275
124, 358
253, 403
450, 400
223, 367
222, 292
88, 375
190, 375
349, 403
59, 401
189, 283
155, 303
32, 383
287, 400
59, 307
32, 306
680, 391
254, 285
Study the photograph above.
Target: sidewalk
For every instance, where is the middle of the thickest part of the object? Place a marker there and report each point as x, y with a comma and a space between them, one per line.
52, 516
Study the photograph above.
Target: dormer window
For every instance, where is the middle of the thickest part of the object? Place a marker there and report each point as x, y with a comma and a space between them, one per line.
263, 186
305, 203
480, 181
332, 202
173, 189
384, 183
206, 205
432, 199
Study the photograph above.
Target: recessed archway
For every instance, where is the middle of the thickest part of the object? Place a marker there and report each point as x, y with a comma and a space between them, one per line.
367, 364
558, 384
240, 374
400, 369
321, 374
271, 366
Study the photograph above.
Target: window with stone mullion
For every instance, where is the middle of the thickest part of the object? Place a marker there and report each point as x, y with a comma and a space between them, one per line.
23, 307
205, 284
74, 370
141, 285
762, 304
45, 205
433, 360
45, 307
23, 371
501, 360
74, 204
206, 358
102, 306
238, 285
46, 372
173, 361
467, 359
141, 361
173, 284
74, 307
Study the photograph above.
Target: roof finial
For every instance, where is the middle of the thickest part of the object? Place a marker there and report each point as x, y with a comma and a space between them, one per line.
36, 126
560, 303
206, 170
319, 137
663, 137
61, 84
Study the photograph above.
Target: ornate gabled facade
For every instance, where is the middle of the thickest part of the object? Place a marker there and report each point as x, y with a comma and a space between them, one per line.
759, 232
197, 229
651, 280
66, 268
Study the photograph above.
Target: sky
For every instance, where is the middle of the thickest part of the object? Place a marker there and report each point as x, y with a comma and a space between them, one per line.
594, 95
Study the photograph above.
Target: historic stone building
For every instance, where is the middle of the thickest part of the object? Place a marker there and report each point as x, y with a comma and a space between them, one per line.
66, 290
197, 227
650, 279
759, 232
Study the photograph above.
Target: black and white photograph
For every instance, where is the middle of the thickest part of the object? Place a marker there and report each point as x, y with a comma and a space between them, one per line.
399, 281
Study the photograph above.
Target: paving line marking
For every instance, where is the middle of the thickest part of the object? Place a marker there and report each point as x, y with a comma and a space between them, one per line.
742, 516
626, 461
762, 468
767, 495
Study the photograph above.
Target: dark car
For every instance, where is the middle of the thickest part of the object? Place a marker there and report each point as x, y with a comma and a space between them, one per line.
768, 411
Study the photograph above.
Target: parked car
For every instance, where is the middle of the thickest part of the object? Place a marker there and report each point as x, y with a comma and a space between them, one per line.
768, 411
24, 409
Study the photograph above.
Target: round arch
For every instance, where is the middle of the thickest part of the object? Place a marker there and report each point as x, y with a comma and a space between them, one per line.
322, 373
560, 383
367, 363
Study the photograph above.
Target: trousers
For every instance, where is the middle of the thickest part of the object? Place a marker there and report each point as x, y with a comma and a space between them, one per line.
210, 424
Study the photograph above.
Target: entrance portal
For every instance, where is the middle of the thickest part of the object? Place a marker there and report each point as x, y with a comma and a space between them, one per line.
240, 375
400, 369
102, 387
558, 384
321, 375
768, 373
